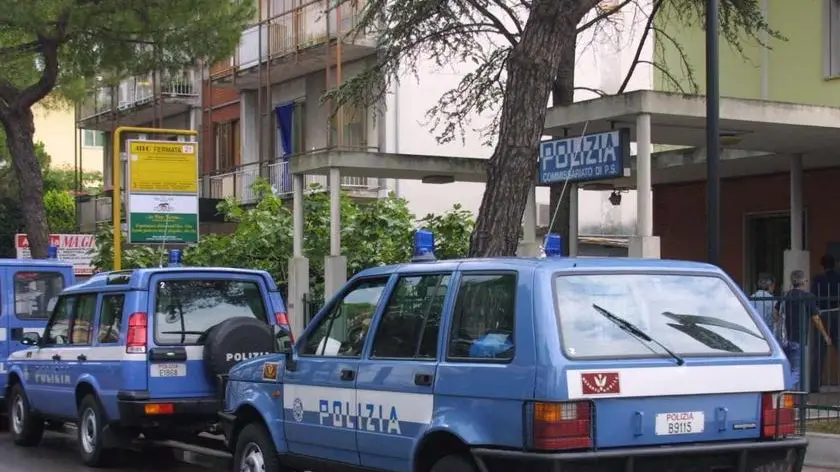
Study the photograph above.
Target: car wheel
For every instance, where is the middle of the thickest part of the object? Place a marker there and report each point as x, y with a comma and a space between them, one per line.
455, 463
255, 451
27, 427
91, 425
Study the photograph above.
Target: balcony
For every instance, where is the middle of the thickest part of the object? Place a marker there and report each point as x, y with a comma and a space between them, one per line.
238, 182
93, 210
294, 43
131, 101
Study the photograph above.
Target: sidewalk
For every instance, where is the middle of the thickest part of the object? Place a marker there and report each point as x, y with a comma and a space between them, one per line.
823, 452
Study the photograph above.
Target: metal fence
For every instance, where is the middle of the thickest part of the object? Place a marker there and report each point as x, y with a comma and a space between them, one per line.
808, 325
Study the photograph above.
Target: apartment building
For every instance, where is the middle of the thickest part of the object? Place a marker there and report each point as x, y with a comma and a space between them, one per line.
67, 147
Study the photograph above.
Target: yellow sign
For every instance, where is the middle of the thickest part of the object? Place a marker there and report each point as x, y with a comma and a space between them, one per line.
163, 166
270, 371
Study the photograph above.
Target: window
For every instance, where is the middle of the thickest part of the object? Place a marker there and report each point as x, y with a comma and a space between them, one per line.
187, 309
354, 127
342, 332
298, 132
227, 137
93, 138
59, 325
689, 314
832, 40
82, 330
33, 292
411, 321
110, 319
483, 318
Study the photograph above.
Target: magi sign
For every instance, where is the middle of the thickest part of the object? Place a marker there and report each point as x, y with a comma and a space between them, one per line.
76, 249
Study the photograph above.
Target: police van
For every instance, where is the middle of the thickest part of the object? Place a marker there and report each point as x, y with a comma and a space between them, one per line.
28, 287
141, 352
513, 364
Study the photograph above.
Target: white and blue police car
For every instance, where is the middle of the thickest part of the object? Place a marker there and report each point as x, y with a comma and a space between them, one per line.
141, 352
514, 364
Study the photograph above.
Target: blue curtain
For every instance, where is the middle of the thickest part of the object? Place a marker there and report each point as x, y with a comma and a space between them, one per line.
285, 114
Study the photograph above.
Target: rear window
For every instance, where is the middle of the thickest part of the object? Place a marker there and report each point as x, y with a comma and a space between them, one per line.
187, 309
33, 292
688, 314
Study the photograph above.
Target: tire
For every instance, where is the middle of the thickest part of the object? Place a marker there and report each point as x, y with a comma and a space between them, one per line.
254, 445
454, 463
27, 428
90, 427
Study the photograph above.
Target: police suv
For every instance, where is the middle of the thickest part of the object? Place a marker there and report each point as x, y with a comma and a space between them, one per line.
141, 352
510, 364
28, 287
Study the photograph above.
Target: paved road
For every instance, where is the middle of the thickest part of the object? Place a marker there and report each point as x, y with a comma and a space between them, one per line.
57, 453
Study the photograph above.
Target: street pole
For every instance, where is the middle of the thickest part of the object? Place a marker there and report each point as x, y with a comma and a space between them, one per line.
712, 132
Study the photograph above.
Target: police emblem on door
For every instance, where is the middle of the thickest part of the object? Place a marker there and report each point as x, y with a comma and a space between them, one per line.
297, 410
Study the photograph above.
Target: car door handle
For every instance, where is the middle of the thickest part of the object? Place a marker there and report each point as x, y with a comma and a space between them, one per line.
81, 357
423, 379
56, 357
348, 374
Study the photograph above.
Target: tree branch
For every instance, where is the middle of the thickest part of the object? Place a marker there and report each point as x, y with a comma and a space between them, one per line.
49, 75
648, 26
603, 16
512, 39
511, 14
598, 92
667, 74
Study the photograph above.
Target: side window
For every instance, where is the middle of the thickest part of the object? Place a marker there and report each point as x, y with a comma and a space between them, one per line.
58, 328
33, 291
343, 331
110, 319
411, 321
483, 318
81, 331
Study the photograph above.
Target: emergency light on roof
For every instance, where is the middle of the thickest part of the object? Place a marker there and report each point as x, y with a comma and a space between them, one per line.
424, 246
52, 252
553, 245
174, 258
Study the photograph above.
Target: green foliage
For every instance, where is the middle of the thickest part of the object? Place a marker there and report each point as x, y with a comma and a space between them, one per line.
61, 211
372, 234
64, 178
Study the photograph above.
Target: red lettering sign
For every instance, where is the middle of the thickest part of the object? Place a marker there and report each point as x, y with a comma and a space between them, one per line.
600, 383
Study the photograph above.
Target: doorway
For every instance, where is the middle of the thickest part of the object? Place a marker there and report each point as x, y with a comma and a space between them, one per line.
767, 239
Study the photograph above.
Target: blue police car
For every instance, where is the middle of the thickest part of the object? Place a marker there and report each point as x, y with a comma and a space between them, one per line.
28, 287
509, 364
141, 352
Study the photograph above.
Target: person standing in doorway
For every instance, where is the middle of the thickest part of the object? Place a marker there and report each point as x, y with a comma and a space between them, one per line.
793, 316
762, 299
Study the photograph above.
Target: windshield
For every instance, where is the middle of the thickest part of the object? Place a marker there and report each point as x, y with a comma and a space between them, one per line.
688, 314
187, 309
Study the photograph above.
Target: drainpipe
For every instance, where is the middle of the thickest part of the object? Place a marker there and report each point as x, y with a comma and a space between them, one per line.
765, 55
397, 130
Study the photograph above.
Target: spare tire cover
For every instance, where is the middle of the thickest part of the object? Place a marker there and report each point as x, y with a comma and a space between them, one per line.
235, 340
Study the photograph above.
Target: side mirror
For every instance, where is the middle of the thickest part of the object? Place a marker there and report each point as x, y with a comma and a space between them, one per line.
289, 354
30, 339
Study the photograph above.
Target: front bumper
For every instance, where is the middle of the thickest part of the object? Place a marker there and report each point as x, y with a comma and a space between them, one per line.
785, 455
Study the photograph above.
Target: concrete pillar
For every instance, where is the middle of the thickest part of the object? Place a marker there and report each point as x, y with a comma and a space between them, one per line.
643, 243
335, 265
574, 220
796, 257
298, 264
528, 246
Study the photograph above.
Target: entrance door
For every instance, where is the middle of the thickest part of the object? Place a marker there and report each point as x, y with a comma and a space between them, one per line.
767, 239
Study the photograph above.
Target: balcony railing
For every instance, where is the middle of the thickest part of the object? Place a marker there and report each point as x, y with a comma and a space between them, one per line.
290, 31
137, 91
238, 182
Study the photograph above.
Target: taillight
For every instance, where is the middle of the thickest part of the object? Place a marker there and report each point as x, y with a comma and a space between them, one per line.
135, 340
562, 426
778, 415
283, 320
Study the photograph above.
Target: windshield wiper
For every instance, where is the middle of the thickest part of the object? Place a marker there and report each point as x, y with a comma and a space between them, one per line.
709, 320
636, 333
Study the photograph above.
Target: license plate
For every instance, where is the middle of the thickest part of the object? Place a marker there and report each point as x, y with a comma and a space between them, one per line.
687, 422
169, 370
